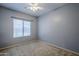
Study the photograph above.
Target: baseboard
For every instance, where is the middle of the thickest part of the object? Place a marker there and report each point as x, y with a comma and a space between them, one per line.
16, 44
10, 46
61, 47
13, 45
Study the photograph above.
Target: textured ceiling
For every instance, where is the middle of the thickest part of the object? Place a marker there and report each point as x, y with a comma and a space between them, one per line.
22, 7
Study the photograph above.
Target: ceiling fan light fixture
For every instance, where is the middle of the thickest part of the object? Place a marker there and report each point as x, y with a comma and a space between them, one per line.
34, 7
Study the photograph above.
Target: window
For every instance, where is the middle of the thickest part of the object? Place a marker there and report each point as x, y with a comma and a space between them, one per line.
17, 28
21, 28
27, 27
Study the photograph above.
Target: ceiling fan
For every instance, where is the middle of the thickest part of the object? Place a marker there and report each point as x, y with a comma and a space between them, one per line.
34, 7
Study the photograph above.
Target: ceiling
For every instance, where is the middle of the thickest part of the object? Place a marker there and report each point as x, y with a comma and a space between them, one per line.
22, 7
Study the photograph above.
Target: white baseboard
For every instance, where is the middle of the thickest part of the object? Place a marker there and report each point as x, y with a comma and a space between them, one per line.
61, 47
13, 45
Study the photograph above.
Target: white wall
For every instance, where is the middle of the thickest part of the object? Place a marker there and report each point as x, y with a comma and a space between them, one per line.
61, 27
6, 35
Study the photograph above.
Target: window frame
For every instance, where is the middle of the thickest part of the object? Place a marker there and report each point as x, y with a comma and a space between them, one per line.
30, 28
22, 27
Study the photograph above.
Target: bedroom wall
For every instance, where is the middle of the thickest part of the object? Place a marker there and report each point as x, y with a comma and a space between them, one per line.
6, 33
61, 27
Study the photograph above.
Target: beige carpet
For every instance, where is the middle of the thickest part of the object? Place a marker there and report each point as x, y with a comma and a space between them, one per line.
35, 48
